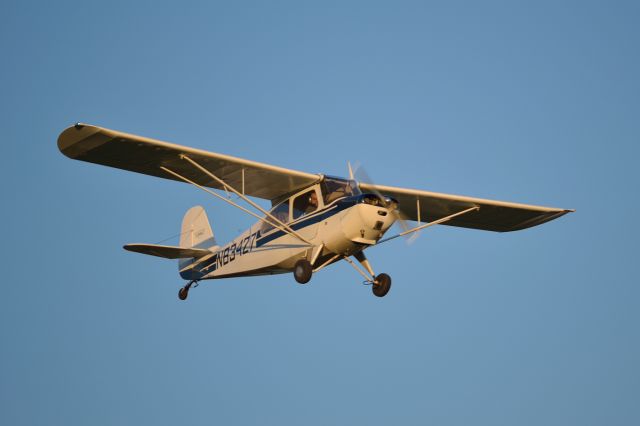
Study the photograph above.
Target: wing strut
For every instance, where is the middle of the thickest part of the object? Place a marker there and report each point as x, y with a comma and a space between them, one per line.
426, 225
226, 200
244, 197
277, 224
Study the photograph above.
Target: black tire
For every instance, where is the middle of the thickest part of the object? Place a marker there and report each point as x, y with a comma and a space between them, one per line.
302, 271
381, 285
183, 293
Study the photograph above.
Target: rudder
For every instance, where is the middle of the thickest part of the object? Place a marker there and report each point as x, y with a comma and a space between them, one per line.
196, 230
195, 233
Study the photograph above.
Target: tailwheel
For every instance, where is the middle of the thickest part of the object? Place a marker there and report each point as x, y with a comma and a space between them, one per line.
302, 271
381, 285
183, 293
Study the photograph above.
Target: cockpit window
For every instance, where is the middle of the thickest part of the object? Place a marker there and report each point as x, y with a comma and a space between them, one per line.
305, 203
334, 188
280, 212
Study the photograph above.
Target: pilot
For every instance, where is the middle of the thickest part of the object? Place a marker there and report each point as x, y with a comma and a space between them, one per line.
313, 203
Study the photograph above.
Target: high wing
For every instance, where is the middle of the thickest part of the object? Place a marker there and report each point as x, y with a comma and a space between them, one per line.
143, 155
493, 215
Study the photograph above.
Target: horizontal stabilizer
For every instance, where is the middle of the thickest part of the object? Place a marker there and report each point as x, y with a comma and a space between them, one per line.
168, 252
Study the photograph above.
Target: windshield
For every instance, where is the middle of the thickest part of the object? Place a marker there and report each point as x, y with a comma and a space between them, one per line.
335, 188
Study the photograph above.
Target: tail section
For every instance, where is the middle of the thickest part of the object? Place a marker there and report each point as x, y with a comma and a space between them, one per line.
196, 242
196, 231
195, 234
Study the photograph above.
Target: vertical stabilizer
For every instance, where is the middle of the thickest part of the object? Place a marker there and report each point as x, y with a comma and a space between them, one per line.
196, 231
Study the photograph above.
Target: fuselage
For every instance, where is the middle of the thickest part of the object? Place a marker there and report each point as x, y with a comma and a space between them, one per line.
341, 227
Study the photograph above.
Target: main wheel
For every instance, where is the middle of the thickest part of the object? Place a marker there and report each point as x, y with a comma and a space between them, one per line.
183, 293
302, 271
381, 285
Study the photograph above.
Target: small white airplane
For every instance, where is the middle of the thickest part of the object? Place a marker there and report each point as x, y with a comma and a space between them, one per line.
315, 220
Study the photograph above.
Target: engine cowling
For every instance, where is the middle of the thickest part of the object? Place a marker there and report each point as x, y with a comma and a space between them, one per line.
363, 222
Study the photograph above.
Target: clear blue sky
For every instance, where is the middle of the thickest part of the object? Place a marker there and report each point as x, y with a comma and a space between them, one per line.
536, 102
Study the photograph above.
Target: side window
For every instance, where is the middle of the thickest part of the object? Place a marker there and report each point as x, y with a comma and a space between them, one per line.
281, 212
305, 203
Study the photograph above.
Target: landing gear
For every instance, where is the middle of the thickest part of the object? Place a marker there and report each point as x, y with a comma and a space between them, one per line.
302, 271
381, 285
183, 293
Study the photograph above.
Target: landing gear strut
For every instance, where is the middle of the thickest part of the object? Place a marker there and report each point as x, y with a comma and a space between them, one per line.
183, 293
381, 285
302, 271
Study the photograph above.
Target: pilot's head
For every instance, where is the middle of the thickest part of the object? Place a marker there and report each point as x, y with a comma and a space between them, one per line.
313, 199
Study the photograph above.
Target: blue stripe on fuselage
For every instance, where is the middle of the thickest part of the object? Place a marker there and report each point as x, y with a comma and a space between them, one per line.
343, 204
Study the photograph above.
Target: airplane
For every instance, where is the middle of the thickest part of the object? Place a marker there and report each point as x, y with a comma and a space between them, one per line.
315, 220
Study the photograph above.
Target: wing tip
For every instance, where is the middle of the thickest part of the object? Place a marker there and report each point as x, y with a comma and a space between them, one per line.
540, 219
70, 137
